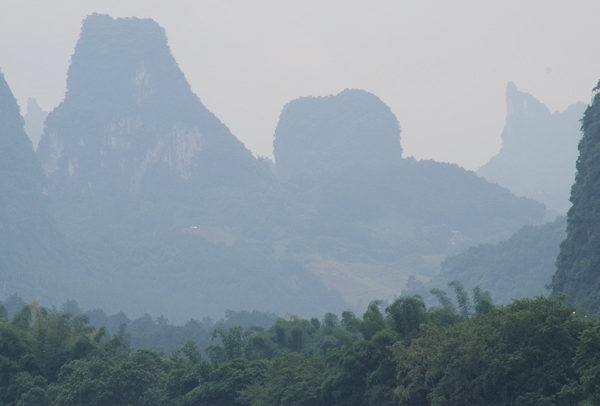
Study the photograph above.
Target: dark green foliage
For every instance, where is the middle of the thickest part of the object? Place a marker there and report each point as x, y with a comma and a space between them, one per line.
462, 297
291, 379
406, 315
521, 354
444, 300
133, 380
587, 366
373, 321
532, 352
579, 259
482, 301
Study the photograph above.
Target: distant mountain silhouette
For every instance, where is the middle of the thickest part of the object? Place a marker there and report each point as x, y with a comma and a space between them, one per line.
139, 126
347, 148
156, 193
32, 251
539, 150
368, 213
327, 135
165, 209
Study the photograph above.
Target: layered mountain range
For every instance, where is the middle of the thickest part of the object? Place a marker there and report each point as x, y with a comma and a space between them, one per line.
164, 210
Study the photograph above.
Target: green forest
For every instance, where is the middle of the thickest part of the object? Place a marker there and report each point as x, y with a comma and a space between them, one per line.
531, 352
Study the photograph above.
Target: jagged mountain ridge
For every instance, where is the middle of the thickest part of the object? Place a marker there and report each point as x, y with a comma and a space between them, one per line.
538, 152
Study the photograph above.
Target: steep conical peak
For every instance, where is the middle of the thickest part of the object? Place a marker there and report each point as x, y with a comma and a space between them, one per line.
123, 57
521, 106
330, 134
130, 121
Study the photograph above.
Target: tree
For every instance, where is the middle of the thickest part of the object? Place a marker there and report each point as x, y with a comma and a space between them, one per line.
373, 320
520, 354
406, 315
291, 380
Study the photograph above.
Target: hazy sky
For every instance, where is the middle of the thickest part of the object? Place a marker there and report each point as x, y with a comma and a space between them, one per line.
442, 66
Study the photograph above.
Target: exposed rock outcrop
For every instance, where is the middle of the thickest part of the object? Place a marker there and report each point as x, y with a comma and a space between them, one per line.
130, 123
538, 152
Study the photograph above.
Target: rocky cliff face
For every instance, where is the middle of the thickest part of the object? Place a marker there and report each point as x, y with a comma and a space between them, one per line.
539, 150
129, 122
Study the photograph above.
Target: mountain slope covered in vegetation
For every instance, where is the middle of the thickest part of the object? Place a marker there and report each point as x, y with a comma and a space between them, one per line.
579, 260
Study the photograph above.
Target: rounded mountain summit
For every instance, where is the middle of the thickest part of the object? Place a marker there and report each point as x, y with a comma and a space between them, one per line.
322, 135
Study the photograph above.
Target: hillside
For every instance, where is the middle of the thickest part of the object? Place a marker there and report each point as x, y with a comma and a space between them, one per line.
577, 264
518, 267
